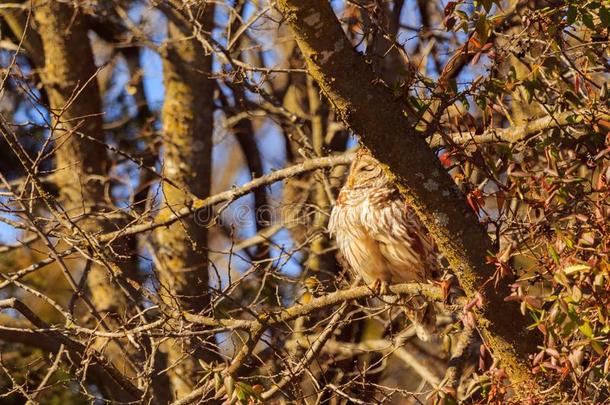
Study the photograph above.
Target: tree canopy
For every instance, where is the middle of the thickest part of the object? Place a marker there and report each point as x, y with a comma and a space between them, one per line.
167, 169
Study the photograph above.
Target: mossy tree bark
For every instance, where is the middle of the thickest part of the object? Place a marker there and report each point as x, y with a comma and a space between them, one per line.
188, 116
81, 161
368, 109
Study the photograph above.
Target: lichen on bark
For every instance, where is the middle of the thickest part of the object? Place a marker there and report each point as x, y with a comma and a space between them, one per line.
188, 116
369, 110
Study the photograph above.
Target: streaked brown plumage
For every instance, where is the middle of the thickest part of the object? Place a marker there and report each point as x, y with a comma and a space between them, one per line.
381, 237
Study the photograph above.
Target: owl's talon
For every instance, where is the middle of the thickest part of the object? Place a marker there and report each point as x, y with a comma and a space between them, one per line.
377, 231
384, 288
375, 286
379, 287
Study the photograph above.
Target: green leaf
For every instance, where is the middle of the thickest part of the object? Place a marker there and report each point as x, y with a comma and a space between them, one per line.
560, 318
587, 19
604, 16
428, 81
553, 253
462, 14
248, 391
587, 330
568, 328
241, 395
599, 282
512, 73
597, 347
571, 15
576, 294
463, 26
574, 119
529, 91
576, 268
483, 28
419, 105
465, 103
573, 314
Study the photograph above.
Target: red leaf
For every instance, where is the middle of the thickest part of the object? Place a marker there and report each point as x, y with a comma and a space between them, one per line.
604, 123
500, 198
476, 58
450, 7
449, 22
445, 159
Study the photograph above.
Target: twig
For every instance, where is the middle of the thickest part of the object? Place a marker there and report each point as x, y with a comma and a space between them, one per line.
431, 292
78, 353
311, 353
516, 134
382, 346
54, 367
459, 357
231, 195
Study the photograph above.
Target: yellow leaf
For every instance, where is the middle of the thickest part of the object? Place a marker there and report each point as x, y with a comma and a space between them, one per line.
576, 268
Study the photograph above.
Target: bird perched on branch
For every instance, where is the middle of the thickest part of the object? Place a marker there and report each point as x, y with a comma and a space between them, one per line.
381, 237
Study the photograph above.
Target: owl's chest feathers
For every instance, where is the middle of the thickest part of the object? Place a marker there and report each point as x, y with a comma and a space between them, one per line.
361, 211
374, 232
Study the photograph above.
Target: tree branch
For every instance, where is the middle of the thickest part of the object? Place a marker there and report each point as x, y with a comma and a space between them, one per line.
117, 386
182, 248
230, 195
431, 292
370, 111
521, 132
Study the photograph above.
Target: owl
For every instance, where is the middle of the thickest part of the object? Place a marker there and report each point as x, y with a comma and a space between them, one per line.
381, 237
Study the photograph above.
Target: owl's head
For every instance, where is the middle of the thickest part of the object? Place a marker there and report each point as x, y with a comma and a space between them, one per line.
366, 171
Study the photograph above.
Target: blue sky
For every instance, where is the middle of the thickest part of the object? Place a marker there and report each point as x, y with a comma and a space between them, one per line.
269, 138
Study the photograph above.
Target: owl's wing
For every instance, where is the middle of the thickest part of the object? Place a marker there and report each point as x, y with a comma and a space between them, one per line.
403, 241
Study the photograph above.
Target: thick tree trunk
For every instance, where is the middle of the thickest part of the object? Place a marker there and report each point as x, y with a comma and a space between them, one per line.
368, 109
81, 162
188, 125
